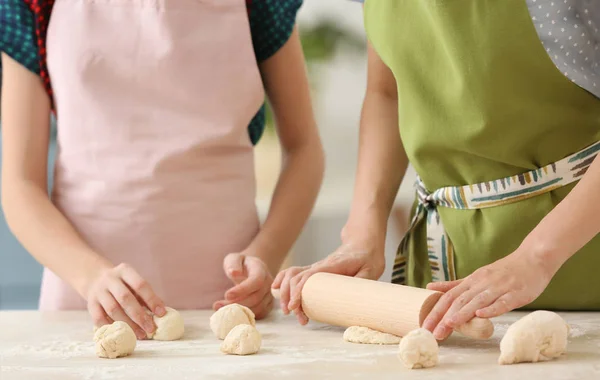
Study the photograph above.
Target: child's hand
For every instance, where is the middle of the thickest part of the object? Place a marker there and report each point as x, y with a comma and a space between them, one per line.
120, 294
252, 281
358, 258
509, 283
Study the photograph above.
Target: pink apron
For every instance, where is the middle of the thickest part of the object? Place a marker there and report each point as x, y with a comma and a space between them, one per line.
155, 165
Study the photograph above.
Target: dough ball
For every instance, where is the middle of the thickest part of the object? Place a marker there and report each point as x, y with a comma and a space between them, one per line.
364, 335
539, 336
168, 327
227, 317
115, 341
242, 340
418, 349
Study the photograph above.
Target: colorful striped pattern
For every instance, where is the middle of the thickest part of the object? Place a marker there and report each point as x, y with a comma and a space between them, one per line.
482, 195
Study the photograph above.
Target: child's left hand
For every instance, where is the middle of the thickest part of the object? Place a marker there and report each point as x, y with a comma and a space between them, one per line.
252, 281
507, 284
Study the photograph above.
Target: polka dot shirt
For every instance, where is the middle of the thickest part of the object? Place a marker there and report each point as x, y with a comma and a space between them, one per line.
570, 33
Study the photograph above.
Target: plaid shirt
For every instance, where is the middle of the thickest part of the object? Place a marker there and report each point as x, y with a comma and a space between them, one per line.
23, 26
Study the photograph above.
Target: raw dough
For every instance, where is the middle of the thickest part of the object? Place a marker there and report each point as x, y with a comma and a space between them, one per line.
419, 349
242, 340
227, 317
539, 336
365, 335
168, 327
115, 341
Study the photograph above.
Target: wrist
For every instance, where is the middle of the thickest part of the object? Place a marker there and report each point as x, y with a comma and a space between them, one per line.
267, 253
88, 272
543, 253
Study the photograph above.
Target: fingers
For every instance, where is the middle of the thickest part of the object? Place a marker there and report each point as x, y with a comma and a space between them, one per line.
302, 318
432, 321
284, 289
296, 285
129, 303
255, 298
443, 286
98, 314
256, 280
501, 306
142, 289
116, 313
278, 279
480, 300
264, 307
233, 265
448, 322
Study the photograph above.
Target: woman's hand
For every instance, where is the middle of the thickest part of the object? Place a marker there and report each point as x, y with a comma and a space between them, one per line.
356, 257
121, 294
252, 281
507, 284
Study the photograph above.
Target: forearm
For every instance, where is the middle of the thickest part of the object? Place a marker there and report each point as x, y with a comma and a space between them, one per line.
571, 224
291, 204
48, 236
30, 214
381, 163
286, 84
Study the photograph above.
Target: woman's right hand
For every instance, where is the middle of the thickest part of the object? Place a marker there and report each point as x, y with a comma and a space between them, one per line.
121, 294
360, 255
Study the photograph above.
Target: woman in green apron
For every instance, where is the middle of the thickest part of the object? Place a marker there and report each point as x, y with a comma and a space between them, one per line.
498, 109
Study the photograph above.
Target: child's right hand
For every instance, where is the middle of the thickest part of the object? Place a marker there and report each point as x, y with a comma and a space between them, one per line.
360, 255
121, 294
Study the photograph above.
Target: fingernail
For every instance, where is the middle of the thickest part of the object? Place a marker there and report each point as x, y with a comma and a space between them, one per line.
160, 310
140, 334
428, 325
439, 331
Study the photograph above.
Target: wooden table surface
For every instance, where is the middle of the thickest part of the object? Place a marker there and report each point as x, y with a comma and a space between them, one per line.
58, 346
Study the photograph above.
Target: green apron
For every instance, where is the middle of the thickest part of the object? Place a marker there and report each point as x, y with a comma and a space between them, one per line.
480, 100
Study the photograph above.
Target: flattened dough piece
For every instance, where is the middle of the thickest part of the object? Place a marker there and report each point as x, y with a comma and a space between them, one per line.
418, 349
538, 336
365, 335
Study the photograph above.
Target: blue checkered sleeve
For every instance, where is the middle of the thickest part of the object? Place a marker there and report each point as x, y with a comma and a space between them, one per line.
17, 34
271, 24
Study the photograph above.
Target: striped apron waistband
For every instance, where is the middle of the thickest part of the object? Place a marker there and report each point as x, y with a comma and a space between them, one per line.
482, 195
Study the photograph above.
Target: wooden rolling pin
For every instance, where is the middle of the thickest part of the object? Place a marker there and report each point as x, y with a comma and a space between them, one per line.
395, 309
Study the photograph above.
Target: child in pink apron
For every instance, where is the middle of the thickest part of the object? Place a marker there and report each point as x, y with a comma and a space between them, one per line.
154, 190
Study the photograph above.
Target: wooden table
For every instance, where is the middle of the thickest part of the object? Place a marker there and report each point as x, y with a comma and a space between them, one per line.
58, 346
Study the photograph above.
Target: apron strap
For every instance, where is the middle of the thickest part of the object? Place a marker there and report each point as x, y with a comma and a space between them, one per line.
482, 195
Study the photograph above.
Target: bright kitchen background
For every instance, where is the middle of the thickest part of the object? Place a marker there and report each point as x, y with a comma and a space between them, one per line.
335, 47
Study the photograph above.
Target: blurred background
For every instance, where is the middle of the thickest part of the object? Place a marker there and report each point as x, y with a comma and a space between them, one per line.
335, 48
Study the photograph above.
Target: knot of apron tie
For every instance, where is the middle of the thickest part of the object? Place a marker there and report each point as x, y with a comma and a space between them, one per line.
440, 251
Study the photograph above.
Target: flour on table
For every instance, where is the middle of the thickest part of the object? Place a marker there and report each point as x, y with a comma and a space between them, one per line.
365, 335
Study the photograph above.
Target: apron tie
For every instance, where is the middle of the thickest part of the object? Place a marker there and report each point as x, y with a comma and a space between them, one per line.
440, 251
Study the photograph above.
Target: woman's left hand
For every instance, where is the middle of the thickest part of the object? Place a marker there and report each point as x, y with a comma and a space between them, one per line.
252, 280
509, 283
